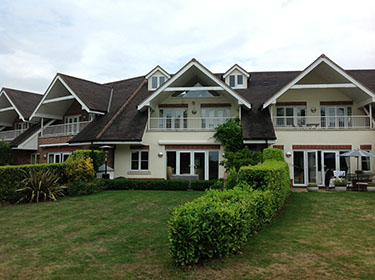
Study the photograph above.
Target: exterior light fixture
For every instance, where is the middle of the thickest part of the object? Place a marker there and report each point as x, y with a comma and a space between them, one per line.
106, 150
288, 154
160, 154
313, 110
194, 111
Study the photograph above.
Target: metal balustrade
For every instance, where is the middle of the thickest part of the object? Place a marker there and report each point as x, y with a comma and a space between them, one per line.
65, 129
322, 122
185, 124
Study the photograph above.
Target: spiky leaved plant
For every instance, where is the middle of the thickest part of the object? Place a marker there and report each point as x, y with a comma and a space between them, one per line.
40, 185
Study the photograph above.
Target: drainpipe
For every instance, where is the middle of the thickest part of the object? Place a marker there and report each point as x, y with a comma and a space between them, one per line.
42, 126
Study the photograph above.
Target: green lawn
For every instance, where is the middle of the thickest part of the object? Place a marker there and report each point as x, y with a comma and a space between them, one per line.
123, 235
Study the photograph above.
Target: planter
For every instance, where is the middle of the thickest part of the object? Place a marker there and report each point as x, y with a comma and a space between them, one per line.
371, 188
340, 188
312, 189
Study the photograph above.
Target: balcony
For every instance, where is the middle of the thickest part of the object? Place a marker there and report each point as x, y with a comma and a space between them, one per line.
186, 124
67, 129
322, 123
9, 135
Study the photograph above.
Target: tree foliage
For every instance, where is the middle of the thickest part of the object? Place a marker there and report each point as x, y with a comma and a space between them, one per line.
230, 135
5, 153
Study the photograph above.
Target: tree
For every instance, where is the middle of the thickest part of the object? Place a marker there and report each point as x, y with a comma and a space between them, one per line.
5, 153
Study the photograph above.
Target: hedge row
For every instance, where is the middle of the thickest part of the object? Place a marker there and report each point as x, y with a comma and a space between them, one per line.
12, 176
220, 222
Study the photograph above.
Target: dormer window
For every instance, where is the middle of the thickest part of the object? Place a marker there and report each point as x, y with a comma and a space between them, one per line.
157, 81
236, 77
156, 78
236, 81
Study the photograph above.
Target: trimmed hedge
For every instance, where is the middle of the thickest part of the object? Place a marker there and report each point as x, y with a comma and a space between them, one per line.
202, 185
220, 222
273, 154
85, 188
11, 177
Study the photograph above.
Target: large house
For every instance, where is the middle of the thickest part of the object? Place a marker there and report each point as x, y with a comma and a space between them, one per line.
161, 125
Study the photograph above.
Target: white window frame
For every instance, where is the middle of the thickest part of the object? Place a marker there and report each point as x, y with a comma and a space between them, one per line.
61, 154
297, 120
212, 117
158, 81
236, 84
345, 119
72, 127
192, 153
369, 163
34, 158
177, 117
140, 160
21, 126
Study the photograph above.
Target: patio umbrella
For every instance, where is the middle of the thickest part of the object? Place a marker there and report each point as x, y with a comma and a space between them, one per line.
357, 153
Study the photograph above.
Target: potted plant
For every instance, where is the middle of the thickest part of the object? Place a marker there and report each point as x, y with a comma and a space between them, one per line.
371, 187
312, 188
340, 185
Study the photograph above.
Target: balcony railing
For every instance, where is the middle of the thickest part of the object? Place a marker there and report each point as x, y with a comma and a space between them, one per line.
318, 122
65, 129
9, 135
185, 124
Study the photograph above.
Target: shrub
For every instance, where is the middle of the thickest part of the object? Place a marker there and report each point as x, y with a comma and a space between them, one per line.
273, 154
5, 153
12, 176
97, 156
78, 188
79, 169
201, 185
40, 185
243, 157
129, 184
232, 178
220, 222
230, 135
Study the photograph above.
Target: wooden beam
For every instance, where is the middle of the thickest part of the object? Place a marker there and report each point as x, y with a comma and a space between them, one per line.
306, 86
48, 116
58, 99
6, 109
192, 88
365, 102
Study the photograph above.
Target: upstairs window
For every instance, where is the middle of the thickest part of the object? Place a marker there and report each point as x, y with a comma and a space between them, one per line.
236, 81
157, 81
21, 126
290, 115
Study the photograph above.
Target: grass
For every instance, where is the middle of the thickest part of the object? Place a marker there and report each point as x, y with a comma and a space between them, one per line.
123, 235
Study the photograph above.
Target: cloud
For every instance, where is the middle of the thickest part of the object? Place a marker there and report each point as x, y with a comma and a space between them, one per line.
110, 40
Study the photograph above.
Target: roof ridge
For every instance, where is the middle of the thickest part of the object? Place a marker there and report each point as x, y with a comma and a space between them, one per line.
85, 80
23, 91
123, 80
118, 113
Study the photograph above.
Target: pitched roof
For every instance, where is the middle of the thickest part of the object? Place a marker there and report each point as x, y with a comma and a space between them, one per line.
130, 124
95, 96
24, 136
24, 101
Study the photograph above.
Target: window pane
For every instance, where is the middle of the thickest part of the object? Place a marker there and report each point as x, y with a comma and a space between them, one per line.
213, 165
144, 165
57, 158
184, 163
232, 80
239, 79
279, 112
299, 167
144, 155
365, 163
289, 111
154, 82
135, 161
161, 80
171, 162
51, 158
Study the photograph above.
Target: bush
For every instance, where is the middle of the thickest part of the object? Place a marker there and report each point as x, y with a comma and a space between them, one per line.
241, 158
40, 185
97, 156
12, 176
5, 153
273, 154
232, 178
201, 185
79, 169
84, 188
129, 184
220, 222
230, 135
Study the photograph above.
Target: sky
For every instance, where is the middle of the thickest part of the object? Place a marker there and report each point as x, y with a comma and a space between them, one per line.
111, 40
